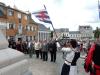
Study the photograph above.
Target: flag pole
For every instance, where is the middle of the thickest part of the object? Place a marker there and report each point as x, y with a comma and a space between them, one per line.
52, 24
99, 9
54, 30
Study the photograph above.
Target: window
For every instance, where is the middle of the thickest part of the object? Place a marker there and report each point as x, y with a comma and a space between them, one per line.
11, 26
19, 20
25, 17
19, 15
35, 28
28, 28
31, 38
34, 37
26, 38
71, 35
10, 12
1, 11
20, 29
32, 28
29, 17
77, 35
67, 34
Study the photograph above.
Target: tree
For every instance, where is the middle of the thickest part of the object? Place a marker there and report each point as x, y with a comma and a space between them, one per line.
63, 36
51, 34
97, 33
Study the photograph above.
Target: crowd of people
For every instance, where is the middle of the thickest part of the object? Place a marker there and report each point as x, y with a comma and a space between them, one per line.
71, 49
40, 48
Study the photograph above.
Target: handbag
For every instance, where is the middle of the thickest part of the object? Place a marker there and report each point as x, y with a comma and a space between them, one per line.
73, 70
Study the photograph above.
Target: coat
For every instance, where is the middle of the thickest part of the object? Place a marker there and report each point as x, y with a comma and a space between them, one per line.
52, 47
45, 47
90, 66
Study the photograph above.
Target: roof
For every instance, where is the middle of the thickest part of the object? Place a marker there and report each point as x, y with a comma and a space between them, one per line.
74, 32
31, 21
17, 10
42, 27
2, 4
62, 30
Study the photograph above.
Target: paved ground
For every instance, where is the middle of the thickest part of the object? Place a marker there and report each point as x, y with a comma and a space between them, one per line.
39, 67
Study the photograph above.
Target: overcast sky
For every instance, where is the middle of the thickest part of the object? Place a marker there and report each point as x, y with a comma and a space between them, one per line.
63, 13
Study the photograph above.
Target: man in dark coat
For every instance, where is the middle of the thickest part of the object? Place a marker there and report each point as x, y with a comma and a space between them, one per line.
53, 50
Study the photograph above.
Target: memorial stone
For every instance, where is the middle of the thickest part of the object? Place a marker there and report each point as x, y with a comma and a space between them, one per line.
12, 62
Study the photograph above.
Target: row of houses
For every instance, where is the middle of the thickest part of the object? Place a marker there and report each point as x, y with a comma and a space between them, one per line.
18, 24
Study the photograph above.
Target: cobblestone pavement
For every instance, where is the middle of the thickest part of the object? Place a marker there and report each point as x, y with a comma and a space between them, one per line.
39, 67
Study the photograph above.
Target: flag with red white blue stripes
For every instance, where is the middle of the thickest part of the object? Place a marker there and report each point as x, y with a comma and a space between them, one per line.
42, 15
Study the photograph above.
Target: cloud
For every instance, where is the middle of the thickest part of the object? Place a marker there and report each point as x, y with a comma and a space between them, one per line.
63, 13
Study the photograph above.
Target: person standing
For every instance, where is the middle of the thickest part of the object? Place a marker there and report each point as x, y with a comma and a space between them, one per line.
24, 45
41, 52
37, 48
53, 50
92, 62
45, 50
66, 45
14, 45
30, 49
19, 45
84, 47
71, 58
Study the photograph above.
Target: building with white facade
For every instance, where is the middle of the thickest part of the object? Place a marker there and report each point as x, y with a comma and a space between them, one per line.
43, 33
62, 32
86, 32
75, 35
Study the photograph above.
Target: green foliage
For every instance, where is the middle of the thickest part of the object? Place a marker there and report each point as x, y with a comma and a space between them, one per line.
97, 33
51, 34
63, 36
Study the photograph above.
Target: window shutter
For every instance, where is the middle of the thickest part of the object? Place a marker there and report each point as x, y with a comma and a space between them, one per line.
28, 28
32, 28
7, 25
14, 26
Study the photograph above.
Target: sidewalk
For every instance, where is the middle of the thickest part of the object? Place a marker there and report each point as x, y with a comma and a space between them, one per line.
39, 67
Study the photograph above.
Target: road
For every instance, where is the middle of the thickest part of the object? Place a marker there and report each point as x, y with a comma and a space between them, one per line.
39, 67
